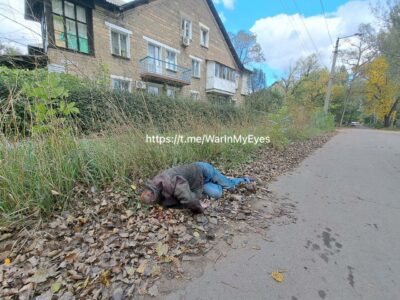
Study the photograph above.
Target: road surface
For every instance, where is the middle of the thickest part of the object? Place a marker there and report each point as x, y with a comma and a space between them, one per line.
345, 243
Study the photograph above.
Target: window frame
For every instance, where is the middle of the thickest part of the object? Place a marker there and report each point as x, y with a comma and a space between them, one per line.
119, 31
156, 86
173, 91
51, 28
195, 95
184, 23
121, 78
199, 61
204, 28
224, 72
171, 66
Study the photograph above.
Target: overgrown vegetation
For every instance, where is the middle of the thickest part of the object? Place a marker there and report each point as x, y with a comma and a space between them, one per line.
60, 131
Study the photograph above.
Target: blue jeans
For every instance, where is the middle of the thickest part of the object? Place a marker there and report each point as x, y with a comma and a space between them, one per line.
214, 182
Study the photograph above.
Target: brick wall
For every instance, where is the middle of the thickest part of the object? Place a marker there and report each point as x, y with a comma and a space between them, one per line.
161, 21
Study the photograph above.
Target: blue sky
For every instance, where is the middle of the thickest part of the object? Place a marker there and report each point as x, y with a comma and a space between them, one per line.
244, 14
287, 30
290, 29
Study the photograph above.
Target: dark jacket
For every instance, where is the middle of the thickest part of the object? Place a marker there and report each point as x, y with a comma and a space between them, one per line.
182, 185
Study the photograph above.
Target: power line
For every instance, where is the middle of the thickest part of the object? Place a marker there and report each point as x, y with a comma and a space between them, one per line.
305, 27
326, 21
293, 23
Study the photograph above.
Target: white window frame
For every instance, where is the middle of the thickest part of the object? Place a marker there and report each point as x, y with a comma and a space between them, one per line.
195, 95
161, 45
184, 24
154, 85
204, 28
120, 31
173, 90
199, 60
171, 65
224, 72
121, 78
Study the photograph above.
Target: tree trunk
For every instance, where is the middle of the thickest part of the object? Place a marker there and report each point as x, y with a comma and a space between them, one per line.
388, 117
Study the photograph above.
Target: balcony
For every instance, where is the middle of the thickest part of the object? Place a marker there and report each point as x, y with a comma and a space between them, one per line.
217, 85
152, 69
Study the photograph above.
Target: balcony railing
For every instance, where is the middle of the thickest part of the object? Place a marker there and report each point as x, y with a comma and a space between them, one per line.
163, 71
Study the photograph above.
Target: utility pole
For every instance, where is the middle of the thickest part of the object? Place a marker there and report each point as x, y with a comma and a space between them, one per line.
331, 78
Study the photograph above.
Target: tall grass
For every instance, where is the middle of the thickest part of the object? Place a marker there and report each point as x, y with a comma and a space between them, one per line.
106, 142
40, 174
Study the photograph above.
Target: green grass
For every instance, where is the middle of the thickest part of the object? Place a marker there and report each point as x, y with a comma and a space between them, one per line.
105, 144
40, 174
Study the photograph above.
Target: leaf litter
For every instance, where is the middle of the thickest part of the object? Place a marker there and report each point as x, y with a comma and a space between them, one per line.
107, 246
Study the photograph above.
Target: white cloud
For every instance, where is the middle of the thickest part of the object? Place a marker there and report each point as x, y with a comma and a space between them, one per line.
228, 4
284, 38
222, 16
14, 29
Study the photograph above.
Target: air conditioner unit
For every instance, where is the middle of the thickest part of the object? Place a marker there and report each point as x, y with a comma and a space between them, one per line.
140, 85
185, 41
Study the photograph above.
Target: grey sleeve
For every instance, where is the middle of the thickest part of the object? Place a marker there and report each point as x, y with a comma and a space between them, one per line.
186, 197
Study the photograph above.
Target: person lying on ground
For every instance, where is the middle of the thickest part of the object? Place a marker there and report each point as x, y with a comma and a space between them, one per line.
186, 185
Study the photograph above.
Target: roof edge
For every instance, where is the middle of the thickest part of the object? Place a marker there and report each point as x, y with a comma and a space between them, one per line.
133, 4
226, 36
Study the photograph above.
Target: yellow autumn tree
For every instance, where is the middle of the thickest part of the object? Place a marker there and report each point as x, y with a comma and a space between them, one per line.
382, 92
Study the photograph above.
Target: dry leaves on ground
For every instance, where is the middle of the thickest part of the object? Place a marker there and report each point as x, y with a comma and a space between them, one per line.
105, 246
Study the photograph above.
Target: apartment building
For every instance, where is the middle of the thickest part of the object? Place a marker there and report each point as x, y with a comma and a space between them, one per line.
161, 46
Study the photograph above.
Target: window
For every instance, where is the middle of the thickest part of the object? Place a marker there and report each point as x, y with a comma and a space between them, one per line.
119, 44
121, 83
204, 35
171, 92
154, 63
171, 61
186, 28
195, 68
195, 95
70, 22
120, 40
225, 72
153, 90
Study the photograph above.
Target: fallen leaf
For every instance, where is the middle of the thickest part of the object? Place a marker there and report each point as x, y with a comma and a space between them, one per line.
7, 262
133, 187
55, 193
85, 284
45, 296
55, 287
155, 271
105, 278
196, 234
130, 271
162, 249
124, 234
40, 276
71, 257
142, 267
278, 276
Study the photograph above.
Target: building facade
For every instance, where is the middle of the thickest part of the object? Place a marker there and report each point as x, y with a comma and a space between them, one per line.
161, 46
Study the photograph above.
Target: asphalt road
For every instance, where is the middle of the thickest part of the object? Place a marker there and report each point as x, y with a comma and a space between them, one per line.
345, 243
